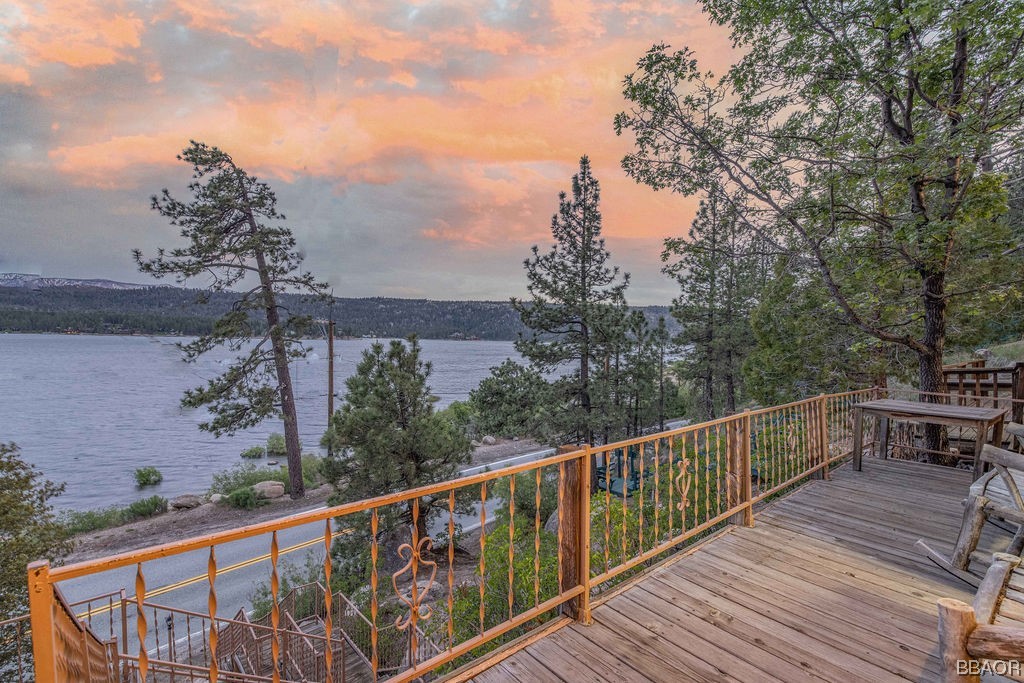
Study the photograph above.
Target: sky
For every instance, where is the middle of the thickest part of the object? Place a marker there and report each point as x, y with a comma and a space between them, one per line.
416, 148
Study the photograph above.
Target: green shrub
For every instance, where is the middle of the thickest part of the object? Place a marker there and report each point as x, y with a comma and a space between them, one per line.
245, 474
147, 507
80, 522
148, 476
276, 446
84, 521
248, 474
254, 453
245, 498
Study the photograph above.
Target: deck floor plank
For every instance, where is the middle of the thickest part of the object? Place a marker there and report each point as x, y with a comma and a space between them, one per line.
826, 587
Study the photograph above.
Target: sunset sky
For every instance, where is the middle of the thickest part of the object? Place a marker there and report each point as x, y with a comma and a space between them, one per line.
417, 148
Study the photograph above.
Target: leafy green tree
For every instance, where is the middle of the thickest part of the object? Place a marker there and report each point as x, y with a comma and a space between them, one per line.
388, 438
857, 137
574, 293
803, 346
720, 273
235, 236
29, 531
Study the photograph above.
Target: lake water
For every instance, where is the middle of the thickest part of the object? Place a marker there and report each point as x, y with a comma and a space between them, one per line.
88, 410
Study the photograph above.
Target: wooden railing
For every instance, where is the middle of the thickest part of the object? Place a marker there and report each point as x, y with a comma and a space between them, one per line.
550, 535
974, 379
64, 647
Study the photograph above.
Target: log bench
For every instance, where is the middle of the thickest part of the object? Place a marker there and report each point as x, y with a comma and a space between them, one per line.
988, 635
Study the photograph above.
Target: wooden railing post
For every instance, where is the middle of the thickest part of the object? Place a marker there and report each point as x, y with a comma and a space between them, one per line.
40, 603
1017, 393
739, 485
575, 543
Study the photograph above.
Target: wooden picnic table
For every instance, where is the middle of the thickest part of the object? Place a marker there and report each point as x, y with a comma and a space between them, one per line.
982, 419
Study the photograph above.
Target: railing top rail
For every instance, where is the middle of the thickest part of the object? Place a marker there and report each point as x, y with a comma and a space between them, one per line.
952, 395
987, 370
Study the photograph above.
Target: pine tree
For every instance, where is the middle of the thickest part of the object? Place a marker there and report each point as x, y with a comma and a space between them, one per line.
235, 236
575, 294
720, 274
388, 438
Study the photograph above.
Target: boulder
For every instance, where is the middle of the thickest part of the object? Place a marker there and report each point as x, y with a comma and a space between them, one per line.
217, 497
474, 443
489, 440
186, 502
551, 526
269, 489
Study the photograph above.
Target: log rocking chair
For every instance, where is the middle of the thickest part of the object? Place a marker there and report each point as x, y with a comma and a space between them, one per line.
996, 497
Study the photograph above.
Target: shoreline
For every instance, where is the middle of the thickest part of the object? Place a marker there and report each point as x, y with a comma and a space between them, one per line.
209, 517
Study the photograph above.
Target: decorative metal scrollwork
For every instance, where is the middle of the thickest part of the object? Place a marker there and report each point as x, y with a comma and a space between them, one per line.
414, 561
683, 481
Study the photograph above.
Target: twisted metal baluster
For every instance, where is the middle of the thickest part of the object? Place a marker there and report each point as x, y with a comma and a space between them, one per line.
140, 622
605, 458
671, 496
536, 542
483, 549
625, 514
374, 654
211, 602
328, 599
718, 464
511, 539
561, 521
640, 497
275, 609
451, 567
657, 492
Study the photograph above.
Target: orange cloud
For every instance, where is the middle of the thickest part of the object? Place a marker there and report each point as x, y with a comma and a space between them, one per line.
73, 32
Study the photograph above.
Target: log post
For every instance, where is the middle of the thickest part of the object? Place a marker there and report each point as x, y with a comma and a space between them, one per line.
739, 485
956, 622
970, 531
1017, 393
575, 542
40, 603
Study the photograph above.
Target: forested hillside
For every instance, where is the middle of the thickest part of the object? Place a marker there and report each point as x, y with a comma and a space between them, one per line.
169, 310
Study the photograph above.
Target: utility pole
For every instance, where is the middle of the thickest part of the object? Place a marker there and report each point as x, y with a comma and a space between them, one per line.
330, 379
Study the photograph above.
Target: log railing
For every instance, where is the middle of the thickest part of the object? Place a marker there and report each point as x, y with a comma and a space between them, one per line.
973, 380
545, 537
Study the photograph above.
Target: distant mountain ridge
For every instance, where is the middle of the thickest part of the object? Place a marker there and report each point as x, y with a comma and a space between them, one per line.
36, 281
140, 309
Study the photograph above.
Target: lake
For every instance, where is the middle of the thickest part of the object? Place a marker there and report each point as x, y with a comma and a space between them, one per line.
88, 410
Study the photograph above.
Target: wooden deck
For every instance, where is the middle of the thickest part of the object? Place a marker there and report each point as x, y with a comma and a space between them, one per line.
827, 586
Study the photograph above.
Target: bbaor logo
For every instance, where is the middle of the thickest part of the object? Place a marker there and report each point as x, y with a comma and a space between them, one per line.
975, 668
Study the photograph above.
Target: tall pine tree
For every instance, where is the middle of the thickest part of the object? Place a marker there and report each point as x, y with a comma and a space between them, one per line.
721, 274
388, 438
235, 236
575, 295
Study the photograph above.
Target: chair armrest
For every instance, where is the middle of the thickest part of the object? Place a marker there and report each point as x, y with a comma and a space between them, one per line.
993, 587
990, 641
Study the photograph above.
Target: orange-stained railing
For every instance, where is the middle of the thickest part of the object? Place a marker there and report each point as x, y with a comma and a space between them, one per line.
547, 536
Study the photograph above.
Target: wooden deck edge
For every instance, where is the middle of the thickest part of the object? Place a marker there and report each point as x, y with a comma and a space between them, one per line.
468, 671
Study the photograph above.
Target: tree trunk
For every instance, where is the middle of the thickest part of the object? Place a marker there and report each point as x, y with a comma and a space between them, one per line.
930, 360
284, 381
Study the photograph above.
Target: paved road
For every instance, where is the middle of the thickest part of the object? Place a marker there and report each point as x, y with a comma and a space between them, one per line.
242, 566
